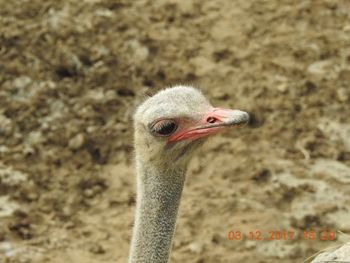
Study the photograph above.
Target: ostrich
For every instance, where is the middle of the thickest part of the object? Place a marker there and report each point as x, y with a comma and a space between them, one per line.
340, 254
169, 128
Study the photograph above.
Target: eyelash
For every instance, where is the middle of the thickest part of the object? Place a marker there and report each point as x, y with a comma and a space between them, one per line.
158, 126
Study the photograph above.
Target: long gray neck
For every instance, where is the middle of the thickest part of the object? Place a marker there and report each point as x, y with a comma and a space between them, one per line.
158, 197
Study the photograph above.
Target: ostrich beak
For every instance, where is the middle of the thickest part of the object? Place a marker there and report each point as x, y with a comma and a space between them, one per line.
215, 120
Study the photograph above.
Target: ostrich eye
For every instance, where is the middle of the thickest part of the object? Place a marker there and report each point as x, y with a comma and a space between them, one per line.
164, 127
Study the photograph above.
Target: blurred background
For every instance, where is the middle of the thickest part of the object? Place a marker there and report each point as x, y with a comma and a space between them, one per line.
72, 73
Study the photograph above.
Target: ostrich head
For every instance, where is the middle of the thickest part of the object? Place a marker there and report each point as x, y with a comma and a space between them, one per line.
171, 125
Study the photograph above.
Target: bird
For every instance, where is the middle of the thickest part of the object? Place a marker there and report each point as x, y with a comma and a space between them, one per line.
169, 128
339, 254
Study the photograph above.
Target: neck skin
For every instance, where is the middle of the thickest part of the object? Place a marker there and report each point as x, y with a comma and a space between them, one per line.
158, 197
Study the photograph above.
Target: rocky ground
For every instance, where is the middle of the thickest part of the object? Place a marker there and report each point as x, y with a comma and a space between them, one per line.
71, 74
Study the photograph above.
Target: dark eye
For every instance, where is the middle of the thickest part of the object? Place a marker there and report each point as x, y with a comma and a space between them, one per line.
164, 127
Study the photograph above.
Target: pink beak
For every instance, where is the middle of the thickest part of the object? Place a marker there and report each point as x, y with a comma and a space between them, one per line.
213, 121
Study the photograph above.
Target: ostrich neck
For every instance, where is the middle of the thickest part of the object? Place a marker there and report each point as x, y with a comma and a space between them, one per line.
158, 197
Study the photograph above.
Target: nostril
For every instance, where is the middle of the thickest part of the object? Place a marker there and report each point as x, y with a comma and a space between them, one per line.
211, 120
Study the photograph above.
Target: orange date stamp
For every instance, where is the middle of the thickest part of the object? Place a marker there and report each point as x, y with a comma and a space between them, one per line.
322, 235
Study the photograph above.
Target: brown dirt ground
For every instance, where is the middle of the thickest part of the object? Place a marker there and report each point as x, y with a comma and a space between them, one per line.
71, 73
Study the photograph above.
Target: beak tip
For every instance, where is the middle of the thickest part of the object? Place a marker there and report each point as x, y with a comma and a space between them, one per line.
242, 118
245, 116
